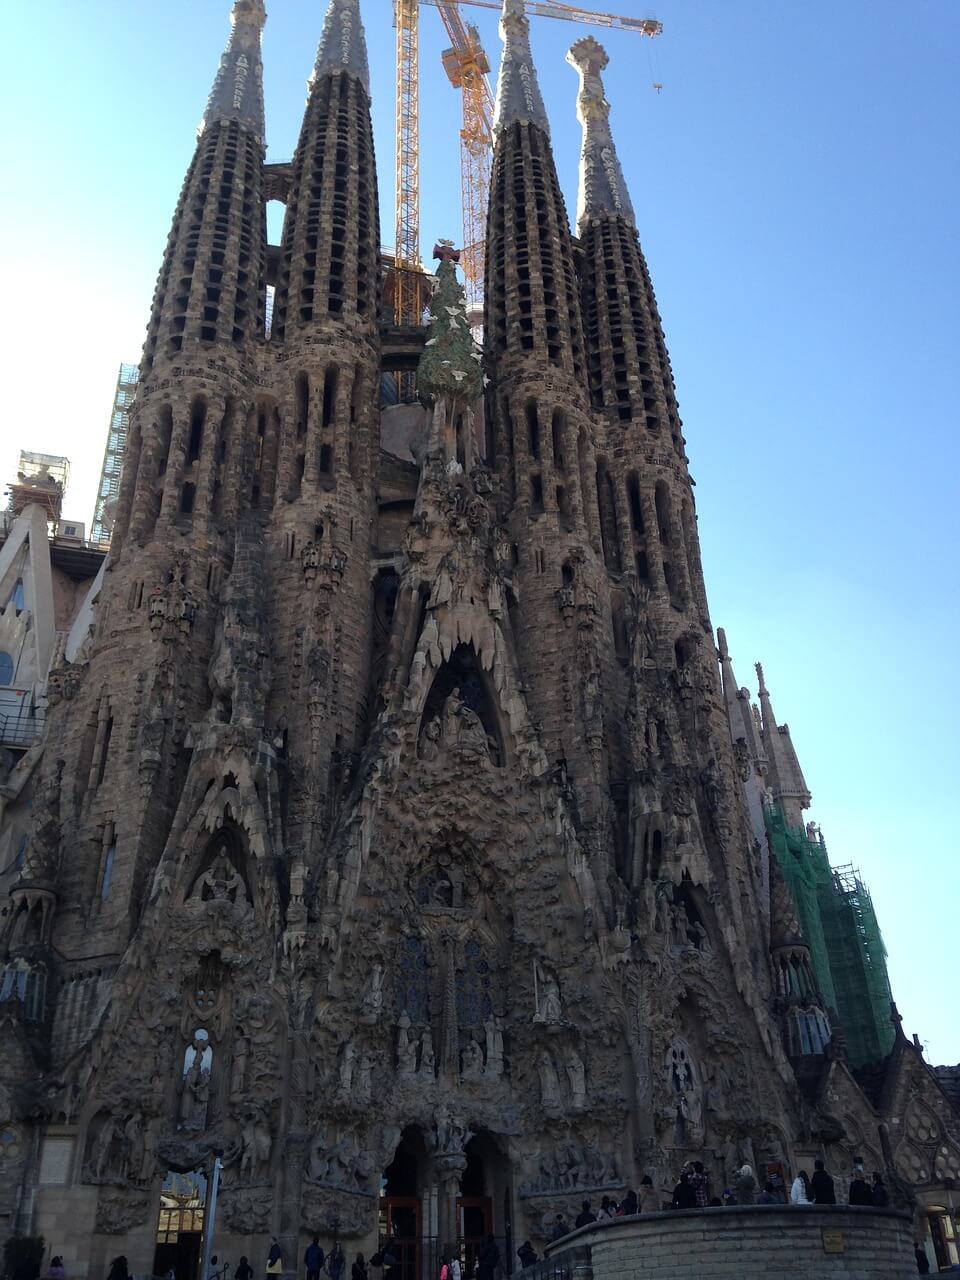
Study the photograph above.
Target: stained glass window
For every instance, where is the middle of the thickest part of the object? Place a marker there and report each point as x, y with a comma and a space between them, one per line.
413, 981
474, 1000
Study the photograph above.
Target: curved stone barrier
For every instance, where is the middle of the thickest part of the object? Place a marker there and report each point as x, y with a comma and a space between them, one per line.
743, 1242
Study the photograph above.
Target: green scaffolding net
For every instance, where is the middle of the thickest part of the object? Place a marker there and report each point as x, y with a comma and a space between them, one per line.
840, 925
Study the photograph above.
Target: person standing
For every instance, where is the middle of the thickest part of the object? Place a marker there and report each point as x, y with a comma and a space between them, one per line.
559, 1229
118, 1269
860, 1193
629, 1205
585, 1216
683, 1195
822, 1185
923, 1262
489, 1259
274, 1258
881, 1197
744, 1186
800, 1190
698, 1181
649, 1200
243, 1269
56, 1269
527, 1255
767, 1196
336, 1262
456, 1271
313, 1259
607, 1209
359, 1269
444, 1269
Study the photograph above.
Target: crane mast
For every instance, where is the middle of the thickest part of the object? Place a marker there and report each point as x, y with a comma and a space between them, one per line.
466, 66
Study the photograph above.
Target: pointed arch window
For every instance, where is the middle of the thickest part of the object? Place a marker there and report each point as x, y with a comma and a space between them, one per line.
474, 987
413, 981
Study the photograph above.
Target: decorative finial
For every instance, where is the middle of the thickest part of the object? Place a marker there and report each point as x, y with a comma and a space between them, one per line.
761, 687
722, 645
602, 188
237, 92
343, 46
449, 368
518, 93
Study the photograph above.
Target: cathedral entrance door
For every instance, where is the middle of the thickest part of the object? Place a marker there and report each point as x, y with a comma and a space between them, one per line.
400, 1234
475, 1222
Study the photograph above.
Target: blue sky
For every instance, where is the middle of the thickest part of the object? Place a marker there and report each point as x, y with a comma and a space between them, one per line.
796, 187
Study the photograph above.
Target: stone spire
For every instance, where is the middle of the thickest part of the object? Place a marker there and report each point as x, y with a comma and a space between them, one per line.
237, 92
602, 188
330, 254
737, 702
343, 46
518, 94
786, 777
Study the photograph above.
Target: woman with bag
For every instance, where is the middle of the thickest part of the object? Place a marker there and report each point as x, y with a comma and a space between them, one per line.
274, 1258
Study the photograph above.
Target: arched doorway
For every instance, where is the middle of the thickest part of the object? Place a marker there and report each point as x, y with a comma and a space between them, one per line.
405, 1208
483, 1206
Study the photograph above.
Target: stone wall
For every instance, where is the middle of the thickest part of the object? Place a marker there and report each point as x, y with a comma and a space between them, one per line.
741, 1243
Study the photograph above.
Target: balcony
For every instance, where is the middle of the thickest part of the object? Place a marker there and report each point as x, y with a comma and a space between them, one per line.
21, 722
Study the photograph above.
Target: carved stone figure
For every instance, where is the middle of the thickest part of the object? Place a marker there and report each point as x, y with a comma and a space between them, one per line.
472, 1061
373, 999
429, 748
406, 1048
427, 1059
576, 1074
549, 1009
493, 1069
549, 1081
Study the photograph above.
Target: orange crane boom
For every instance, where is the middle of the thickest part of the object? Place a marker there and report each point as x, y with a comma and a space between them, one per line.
466, 66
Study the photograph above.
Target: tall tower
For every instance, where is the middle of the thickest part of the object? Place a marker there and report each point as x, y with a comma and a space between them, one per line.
389, 844
326, 342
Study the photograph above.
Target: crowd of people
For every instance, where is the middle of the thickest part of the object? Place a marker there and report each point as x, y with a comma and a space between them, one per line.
692, 1190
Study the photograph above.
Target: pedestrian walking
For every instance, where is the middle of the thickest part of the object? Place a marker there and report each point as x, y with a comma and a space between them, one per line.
274, 1258
336, 1261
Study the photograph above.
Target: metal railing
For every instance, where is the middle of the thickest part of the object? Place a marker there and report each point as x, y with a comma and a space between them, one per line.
21, 724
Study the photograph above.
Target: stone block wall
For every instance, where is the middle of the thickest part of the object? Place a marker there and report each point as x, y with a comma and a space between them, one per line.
742, 1243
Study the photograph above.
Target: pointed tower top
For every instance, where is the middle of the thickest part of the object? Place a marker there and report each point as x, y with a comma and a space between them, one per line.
450, 365
786, 777
602, 188
518, 94
237, 92
343, 46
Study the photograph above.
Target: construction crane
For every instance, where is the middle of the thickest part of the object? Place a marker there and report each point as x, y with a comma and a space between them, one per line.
466, 66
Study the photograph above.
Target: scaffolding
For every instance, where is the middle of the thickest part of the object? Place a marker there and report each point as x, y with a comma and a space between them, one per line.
41, 480
109, 489
840, 927
858, 961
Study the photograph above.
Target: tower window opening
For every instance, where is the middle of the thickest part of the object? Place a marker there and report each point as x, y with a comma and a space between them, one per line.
664, 523
329, 397
187, 497
636, 510
326, 460
302, 404
557, 425
536, 495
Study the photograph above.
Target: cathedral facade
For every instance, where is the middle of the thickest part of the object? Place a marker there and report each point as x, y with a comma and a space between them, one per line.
390, 837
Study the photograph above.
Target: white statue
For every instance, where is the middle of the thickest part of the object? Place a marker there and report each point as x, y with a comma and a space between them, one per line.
547, 989
494, 1068
472, 1068
549, 1082
427, 1058
406, 1048
576, 1074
